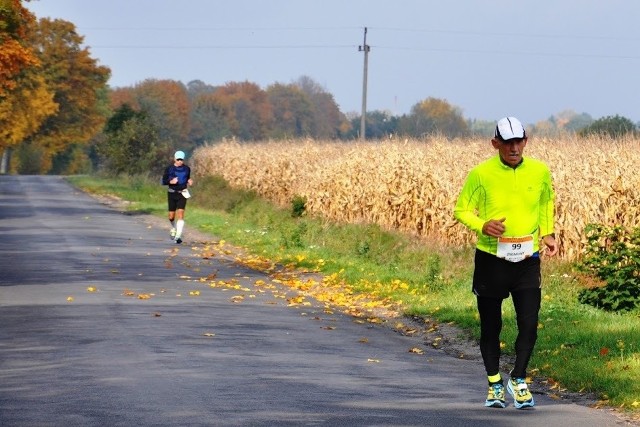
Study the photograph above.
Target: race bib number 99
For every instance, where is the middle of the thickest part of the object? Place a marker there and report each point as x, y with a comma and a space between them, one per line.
515, 249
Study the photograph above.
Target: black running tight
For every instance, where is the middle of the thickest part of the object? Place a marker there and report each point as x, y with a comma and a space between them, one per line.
527, 305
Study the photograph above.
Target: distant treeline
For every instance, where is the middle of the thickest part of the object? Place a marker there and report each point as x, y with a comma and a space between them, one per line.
58, 114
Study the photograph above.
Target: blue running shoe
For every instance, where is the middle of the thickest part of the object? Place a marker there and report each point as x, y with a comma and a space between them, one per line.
495, 397
522, 398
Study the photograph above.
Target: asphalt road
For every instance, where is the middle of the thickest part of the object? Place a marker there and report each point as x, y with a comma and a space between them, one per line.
104, 322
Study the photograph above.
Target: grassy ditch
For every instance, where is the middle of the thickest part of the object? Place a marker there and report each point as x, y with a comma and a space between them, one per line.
580, 348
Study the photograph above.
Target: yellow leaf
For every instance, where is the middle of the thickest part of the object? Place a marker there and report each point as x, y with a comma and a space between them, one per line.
144, 296
194, 293
363, 340
209, 334
416, 350
70, 299
373, 360
91, 289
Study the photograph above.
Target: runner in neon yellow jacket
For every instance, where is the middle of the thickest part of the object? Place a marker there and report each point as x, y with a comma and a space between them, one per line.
508, 200
523, 195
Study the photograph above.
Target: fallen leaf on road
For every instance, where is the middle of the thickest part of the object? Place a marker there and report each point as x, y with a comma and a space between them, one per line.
91, 289
416, 350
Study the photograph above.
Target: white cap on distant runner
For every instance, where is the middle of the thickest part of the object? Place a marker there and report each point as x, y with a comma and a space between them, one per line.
510, 128
179, 155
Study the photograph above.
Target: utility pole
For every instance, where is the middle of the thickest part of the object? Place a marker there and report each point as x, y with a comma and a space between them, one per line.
364, 48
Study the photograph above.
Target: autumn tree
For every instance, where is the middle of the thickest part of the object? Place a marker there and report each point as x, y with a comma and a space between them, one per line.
209, 119
78, 84
577, 122
167, 106
292, 111
24, 108
196, 88
434, 116
247, 109
123, 95
15, 54
328, 121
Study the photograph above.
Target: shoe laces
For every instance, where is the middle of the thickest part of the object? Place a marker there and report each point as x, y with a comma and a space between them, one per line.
521, 386
497, 389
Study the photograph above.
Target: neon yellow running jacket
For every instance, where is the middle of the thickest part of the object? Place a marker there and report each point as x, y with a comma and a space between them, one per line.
494, 190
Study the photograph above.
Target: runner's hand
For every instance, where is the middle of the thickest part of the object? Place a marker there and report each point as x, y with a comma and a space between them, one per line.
551, 244
494, 227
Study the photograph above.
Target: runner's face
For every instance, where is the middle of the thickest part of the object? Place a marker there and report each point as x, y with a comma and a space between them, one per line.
511, 150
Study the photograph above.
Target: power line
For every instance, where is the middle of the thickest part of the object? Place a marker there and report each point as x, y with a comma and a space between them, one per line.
351, 46
381, 47
555, 36
505, 52
170, 29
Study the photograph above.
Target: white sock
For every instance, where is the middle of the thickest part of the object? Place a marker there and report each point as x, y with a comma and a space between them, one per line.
179, 227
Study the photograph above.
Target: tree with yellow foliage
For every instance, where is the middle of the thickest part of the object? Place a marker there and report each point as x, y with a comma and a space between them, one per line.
15, 55
78, 84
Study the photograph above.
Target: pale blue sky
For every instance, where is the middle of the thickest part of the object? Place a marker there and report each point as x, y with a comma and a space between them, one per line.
526, 58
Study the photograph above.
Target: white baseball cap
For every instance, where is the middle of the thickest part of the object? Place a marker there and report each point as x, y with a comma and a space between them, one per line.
179, 155
510, 128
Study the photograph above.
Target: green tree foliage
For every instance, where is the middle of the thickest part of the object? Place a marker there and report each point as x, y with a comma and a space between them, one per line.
131, 143
208, 119
578, 122
196, 88
434, 116
378, 125
30, 158
612, 126
612, 255
481, 128
75, 159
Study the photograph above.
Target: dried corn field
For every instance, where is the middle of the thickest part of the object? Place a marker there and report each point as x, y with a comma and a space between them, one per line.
412, 185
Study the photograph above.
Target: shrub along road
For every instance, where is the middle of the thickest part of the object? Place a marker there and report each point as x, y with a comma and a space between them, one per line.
105, 321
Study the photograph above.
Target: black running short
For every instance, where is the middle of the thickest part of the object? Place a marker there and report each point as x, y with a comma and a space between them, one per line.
176, 201
496, 277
